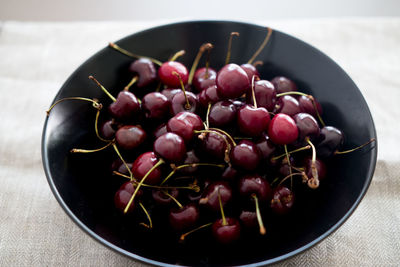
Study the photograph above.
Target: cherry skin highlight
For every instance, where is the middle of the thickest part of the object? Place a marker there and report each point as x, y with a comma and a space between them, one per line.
282, 129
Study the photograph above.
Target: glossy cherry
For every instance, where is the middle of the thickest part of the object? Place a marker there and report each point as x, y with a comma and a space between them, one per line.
163, 199
283, 84
250, 70
253, 121
155, 105
232, 81
255, 184
160, 130
179, 104
229, 173
222, 114
123, 195
184, 218
190, 158
146, 71
245, 155
170, 147
204, 78
330, 140
248, 219
107, 129
265, 146
307, 126
129, 137
170, 93
181, 127
143, 164
288, 105
282, 200
214, 145
265, 94
282, 129
208, 95
125, 107
307, 106
226, 233
210, 195
165, 73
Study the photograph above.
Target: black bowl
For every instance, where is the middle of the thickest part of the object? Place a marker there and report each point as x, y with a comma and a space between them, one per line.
85, 190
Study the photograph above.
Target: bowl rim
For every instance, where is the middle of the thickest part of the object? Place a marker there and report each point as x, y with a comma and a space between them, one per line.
285, 256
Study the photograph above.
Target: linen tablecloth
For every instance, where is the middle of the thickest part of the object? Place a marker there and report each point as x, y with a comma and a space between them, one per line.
35, 60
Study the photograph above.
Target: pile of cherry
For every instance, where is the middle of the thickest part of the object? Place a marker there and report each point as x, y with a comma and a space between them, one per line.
223, 146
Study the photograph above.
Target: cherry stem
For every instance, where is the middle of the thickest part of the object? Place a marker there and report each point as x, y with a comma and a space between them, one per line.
96, 128
129, 54
207, 63
96, 104
258, 213
314, 170
228, 54
290, 176
263, 44
134, 79
150, 225
202, 48
258, 63
207, 115
354, 149
224, 222
103, 88
290, 166
228, 145
177, 55
187, 105
225, 133
183, 236
78, 150
253, 90
189, 165
160, 161
124, 162
291, 152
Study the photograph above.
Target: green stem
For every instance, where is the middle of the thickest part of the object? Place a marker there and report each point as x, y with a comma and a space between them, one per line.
124, 162
259, 218
183, 236
354, 149
147, 215
96, 104
174, 199
228, 54
103, 88
177, 54
264, 43
291, 152
129, 54
224, 222
202, 48
78, 150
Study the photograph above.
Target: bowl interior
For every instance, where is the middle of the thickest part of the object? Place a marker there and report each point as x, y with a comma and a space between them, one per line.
85, 190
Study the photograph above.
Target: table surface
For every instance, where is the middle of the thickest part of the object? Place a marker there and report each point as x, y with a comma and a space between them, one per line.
35, 60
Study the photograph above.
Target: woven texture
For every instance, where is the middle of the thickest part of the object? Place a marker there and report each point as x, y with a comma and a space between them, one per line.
35, 59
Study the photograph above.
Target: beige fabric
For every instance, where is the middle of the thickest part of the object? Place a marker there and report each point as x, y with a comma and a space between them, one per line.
35, 60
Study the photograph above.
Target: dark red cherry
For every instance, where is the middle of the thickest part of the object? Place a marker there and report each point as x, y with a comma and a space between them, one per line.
253, 121
265, 94
143, 164
307, 126
283, 84
167, 76
196, 196
170, 147
255, 184
181, 127
178, 102
265, 146
232, 81
208, 95
210, 197
155, 105
238, 104
245, 155
163, 199
193, 118
190, 158
288, 105
146, 71
282, 200
123, 196
129, 137
222, 114
107, 129
307, 106
250, 70
170, 93
203, 79
226, 234
248, 219
214, 145
283, 168
282, 129
319, 164
125, 107
184, 218
229, 173
160, 130
330, 140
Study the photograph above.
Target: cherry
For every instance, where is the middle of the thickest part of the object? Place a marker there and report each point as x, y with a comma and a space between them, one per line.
143, 164
161, 198
170, 147
232, 81
160, 130
319, 164
123, 195
288, 105
248, 218
184, 217
107, 129
307, 126
190, 158
284, 168
283, 84
155, 105
229, 173
208, 95
282, 129
265, 146
146, 71
210, 197
166, 70
255, 184
196, 196
170, 93
193, 118
227, 232
125, 106
222, 114
179, 102
120, 167
129, 137
214, 145
245, 155
265, 94
250, 70
204, 78
253, 121
184, 124
307, 106
282, 200
330, 140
